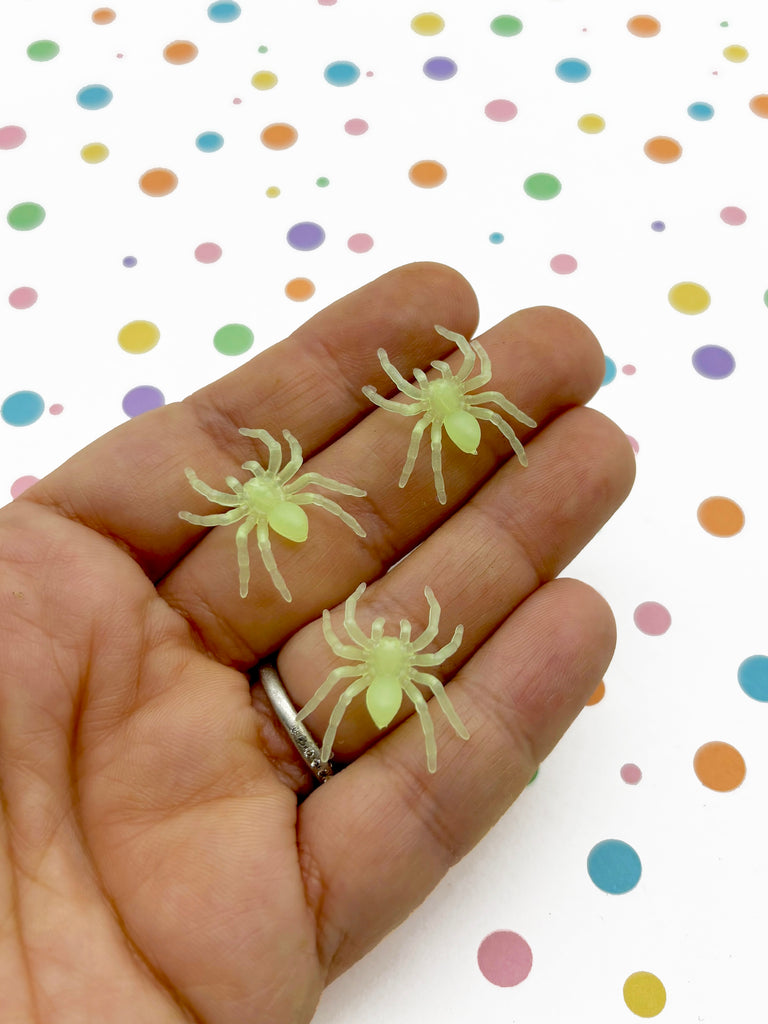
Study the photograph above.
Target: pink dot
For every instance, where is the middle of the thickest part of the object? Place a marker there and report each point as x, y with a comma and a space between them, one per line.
360, 243
207, 252
356, 126
732, 215
19, 486
11, 136
505, 958
500, 110
633, 442
22, 298
563, 263
631, 774
629, 369
56, 409
237, 100
652, 618
326, 3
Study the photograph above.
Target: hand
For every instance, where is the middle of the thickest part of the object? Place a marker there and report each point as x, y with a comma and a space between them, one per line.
164, 856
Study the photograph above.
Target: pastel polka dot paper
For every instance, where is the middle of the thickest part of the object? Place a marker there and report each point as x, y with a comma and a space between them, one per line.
180, 189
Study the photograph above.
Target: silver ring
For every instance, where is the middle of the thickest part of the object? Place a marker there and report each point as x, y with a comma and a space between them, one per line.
302, 738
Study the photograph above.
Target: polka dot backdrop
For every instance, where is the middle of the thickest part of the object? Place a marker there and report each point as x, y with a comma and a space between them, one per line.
181, 188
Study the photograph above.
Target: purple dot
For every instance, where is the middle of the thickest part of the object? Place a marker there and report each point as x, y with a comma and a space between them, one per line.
142, 399
11, 136
505, 958
440, 68
129, 261
652, 618
207, 252
631, 774
713, 361
360, 242
732, 215
500, 110
305, 236
356, 126
658, 225
22, 298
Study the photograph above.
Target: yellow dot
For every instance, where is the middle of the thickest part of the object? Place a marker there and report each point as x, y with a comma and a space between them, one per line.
94, 152
591, 123
688, 297
427, 24
138, 336
644, 994
264, 80
273, 191
735, 53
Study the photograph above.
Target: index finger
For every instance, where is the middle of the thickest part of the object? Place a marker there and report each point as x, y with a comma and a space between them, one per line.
129, 484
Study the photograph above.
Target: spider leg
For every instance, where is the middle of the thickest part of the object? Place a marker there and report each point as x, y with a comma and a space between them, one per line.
437, 462
341, 650
235, 484
338, 713
308, 498
265, 548
438, 657
294, 463
377, 629
504, 427
443, 700
273, 446
445, 371
506, 405
405, 631
417, 698
464, 347
350, 624
325, 688
219, 497
485, 369
323, 481
396, 377
430, 632
388, 403
216, 519
413, 449
421, 378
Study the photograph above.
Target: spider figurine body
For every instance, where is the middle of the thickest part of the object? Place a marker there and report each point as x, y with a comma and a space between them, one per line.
447, 402
387, 667
270, 501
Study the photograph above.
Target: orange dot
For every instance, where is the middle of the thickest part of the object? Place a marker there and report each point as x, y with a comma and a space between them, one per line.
720, 516
300, 289
103, 16
181, 51
644, 25
663, 150
279, 136
759, 105
597, 696
427, 174
719, 766
158, 182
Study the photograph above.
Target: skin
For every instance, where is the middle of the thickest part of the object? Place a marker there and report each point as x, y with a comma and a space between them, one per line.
163, 855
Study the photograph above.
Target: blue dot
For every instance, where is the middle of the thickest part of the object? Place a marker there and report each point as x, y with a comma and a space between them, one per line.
658, 225
496, 238
614, 866
610, 371
572, 69
22, 408
223, 11
209, 142
129, 261
440, 68
701, 111
341, 72
94, 97
753, 677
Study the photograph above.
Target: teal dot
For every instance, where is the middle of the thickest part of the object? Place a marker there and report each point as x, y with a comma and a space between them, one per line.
753, 677
495, 238
614, 866
43, 49
506, 25
572, 69
94, 97
341, 72
233, 339
542, 186
209, 142
610, 371
22, 408
701, 111
222, 12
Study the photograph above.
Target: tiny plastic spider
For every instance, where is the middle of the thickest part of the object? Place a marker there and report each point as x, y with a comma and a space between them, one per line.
388, 667
446, 402
269, 500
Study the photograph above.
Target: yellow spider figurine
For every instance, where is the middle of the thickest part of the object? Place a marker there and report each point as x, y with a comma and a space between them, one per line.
446, 402
387, 667
270, 501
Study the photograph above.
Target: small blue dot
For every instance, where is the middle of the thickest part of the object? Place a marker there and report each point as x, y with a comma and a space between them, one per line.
658, 225
341, 72
129, 261
701, 111
440, 68
610, 371
614, 866
22, 408
496, 238
753, 677
94, 97
572, 69
209, 142
223, 11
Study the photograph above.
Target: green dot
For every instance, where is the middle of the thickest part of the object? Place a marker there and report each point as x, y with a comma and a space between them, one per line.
233, 339
723, 24
25, 216
43, 49
322, 182
506, 25
542, 186
765, 297
262, 49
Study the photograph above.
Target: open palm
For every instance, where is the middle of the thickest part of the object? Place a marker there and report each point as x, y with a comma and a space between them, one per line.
164, 855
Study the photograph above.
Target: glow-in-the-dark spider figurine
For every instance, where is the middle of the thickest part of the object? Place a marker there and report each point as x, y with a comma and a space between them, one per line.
446, 402
270, 501
387, 667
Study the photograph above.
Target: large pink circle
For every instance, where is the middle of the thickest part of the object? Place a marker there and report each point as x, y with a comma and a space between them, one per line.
505, 958
652, 618
19, 486
732, 215
500, 110
360, 243
208, 252
563, 263
11, 136
22, 298
356, 126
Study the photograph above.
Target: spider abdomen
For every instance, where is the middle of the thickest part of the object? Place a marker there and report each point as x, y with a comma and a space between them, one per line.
383, 699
